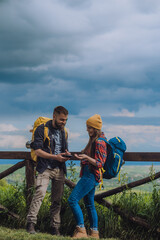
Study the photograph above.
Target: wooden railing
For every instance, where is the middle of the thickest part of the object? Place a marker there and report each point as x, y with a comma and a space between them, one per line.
29, 164
128, 157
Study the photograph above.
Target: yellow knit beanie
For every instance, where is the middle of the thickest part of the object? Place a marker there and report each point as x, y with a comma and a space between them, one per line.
95, 121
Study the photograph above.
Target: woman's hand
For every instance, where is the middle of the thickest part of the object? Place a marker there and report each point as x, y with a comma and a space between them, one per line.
81, 156
86, 157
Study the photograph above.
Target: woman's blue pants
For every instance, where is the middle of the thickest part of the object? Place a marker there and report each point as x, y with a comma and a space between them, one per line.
85, 189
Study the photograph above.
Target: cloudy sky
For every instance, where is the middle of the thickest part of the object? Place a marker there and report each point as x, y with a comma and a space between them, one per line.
91, 57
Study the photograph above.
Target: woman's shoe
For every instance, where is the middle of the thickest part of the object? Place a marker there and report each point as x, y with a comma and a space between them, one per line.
80, 233
93, 234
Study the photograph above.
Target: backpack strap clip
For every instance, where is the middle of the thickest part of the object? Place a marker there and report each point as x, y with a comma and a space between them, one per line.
101, 170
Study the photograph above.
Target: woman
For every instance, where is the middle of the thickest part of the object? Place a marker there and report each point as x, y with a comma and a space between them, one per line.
92, 160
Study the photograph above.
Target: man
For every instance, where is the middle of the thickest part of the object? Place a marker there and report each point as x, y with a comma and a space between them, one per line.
51, 165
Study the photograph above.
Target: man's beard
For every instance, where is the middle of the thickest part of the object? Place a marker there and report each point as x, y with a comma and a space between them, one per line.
59, 126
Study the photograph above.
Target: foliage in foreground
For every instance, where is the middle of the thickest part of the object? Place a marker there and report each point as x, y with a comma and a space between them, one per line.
144, 205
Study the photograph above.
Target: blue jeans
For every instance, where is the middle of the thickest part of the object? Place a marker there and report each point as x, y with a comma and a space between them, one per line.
85, 189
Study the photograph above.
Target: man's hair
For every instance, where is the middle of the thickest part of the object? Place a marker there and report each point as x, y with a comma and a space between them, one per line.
60, 109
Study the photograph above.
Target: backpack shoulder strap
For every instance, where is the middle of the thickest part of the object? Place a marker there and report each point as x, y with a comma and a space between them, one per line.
107, 144
104, 139
46, 136
66, 133
101, 170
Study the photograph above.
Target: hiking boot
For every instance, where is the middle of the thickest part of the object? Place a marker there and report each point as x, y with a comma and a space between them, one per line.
93, 234
30, 228
55, 231
80, 233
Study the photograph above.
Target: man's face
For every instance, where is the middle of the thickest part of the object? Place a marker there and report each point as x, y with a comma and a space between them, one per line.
59, 120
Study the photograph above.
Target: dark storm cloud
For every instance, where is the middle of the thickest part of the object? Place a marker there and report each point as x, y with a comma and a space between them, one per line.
79, 53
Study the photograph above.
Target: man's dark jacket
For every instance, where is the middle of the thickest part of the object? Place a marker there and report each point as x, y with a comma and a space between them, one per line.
39, 143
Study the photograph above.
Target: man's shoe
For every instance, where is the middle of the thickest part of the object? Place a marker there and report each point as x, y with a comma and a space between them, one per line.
93, 234
55, 231
80, 233
30, 228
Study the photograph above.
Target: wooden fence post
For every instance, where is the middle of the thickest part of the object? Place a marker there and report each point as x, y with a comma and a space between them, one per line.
29, 180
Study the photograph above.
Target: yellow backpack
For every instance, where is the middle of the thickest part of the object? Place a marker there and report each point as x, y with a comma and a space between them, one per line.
39, 121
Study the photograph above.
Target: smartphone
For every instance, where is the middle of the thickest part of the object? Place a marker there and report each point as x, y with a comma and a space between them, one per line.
67, 155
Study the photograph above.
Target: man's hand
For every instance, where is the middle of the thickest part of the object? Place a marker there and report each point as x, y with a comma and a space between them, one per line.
67, 153
60, 157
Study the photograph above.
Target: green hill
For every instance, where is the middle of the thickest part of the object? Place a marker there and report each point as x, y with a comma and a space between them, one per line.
128, 173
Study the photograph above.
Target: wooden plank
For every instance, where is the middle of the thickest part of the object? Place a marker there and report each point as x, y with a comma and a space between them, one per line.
128, 156
12, 214
69, 183
142, 156
135, 156
100, 196
127, 186
15, 155
30, 177
12, 169
126, 215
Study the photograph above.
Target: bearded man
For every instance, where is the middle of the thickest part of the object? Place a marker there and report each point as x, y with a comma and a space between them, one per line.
51, 165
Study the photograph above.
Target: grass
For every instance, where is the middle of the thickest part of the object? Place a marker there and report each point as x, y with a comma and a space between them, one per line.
21, 234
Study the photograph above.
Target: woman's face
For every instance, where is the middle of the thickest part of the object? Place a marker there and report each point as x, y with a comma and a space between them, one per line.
90, 131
